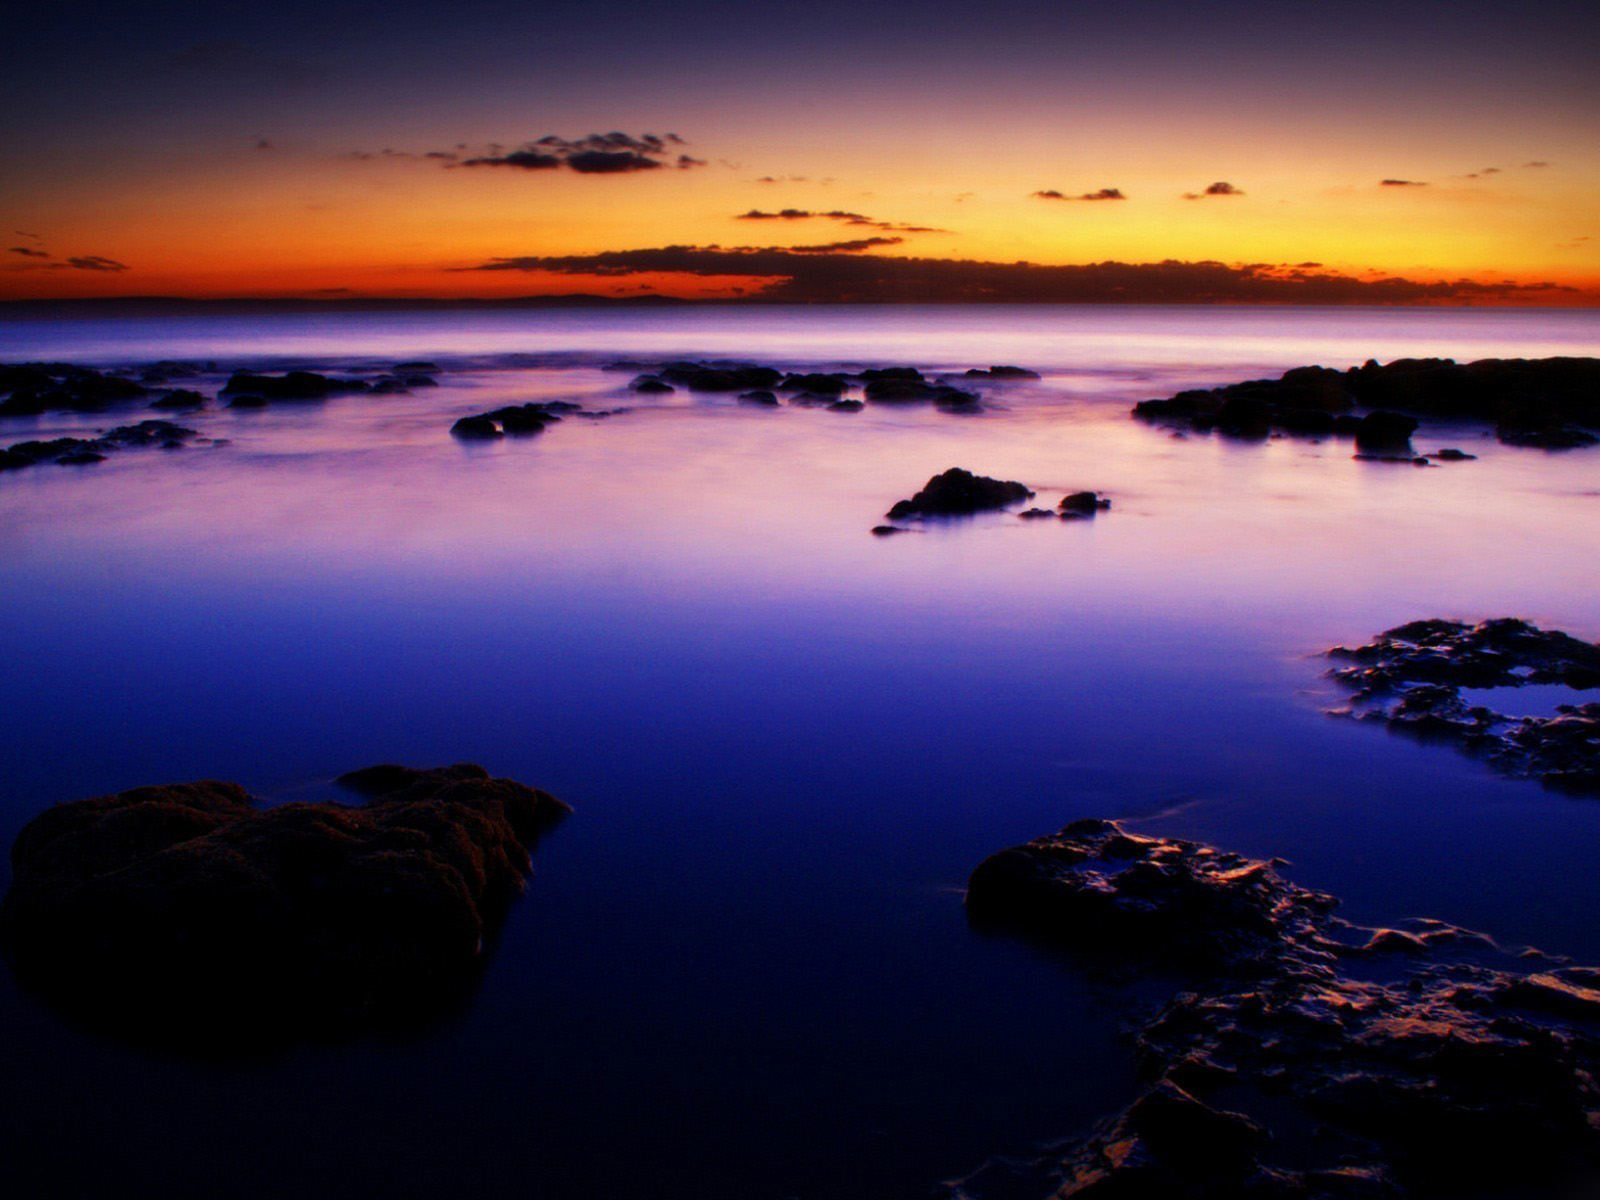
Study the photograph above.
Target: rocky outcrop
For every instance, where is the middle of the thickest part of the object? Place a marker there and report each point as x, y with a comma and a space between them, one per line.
1083, 504
33, 388
1410, 679
190, 911
1300, 1057
75, 451
518, 420
294, 385
958, 492
1552, 403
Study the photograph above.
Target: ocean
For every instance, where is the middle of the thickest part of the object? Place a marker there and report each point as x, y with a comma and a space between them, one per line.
742, 969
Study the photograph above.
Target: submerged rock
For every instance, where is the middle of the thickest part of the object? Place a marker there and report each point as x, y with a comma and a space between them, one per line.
1410, 679
957, 492
1299, 1056
519, 420
1001, 373
188, 911
294, 385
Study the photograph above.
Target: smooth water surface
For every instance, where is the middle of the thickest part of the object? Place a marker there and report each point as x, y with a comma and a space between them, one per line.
742, 968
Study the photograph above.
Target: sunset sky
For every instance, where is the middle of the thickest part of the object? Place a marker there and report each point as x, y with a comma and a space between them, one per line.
1385, 151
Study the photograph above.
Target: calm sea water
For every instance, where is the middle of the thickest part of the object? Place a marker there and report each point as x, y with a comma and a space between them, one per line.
742, 968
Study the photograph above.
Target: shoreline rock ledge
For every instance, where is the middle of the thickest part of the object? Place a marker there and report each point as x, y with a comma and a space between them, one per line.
188, 913
1299, 1056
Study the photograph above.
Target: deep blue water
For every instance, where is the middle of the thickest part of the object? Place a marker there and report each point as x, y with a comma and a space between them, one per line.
742, 968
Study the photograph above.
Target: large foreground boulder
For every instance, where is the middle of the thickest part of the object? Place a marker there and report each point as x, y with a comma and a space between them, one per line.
190, 909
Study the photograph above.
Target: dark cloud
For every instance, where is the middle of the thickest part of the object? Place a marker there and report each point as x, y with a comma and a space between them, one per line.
29, 251
596, 154
1403, 183
1216, 189
822, 277
1490, 171
1102, 194
847, 247
848, 218
1536, 163
93, 262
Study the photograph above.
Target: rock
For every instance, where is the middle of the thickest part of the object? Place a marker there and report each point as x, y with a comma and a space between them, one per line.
179, 399
957, 492
889, 530
72, 451
295, 385
1001, 373
1034, 514
248, 401
475, 428
416, 366
1552, 403
1381, 431
1451, 454
189, 912
80, 458
523, 418
1083, 504
1410, 679
720, 377
764, 398
1363, 1076
846, 406
649, 385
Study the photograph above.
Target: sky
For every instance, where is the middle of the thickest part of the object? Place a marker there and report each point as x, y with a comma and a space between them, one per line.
1241, 150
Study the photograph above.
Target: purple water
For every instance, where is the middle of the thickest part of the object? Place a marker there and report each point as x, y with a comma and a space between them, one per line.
742, 968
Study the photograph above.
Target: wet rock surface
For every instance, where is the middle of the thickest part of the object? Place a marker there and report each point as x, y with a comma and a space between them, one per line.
33, 388
1299, 1056
517, 420
76, 451
1411, 677
187, 912
1550, 403
958, 492
1083, 504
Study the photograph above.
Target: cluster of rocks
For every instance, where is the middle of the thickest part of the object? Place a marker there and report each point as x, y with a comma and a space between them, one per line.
1410, 679
517, 420
1552, 403
34, 388
761, 385
1301, 1056
958, 492
188, 911
76, 451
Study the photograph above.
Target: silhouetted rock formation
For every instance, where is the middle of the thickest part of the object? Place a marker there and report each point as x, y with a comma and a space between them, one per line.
187, 912
1083, 504
33, 388
73, 451
1410, 679
759, 397
1551, 403
1304, 1058
296, 385
1001, 373
518, 420
957, 492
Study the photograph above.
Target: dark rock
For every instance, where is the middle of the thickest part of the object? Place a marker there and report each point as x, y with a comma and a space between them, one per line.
248, 401
1083, 504
649, 385
412, 380
475, 428
418, 365
81, 458
1450, 454
1354, 1082
956, 492
720, 377
522, 419
759, 397
846, 406
147, 433
1553, 403
188, 912
295, 385
1034, 514
1380, 431
889, 530
1409, 679
1002, 373
179, 399
388, 385
28, 404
